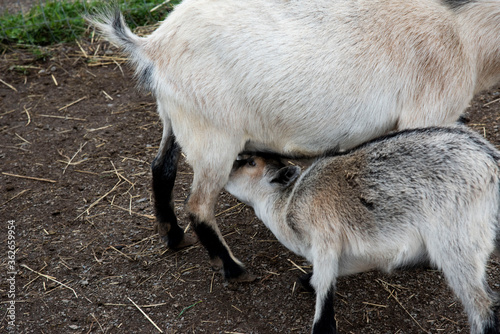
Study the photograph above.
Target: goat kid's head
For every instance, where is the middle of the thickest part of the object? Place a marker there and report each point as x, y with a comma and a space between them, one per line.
254, 178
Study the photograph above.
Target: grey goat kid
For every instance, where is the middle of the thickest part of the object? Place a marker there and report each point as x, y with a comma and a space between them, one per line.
298, 77
417, 196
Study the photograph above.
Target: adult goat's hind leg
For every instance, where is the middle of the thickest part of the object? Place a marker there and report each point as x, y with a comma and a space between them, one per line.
211, 171
164, 169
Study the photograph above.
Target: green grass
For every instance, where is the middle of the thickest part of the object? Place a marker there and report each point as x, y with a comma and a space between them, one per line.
62, 21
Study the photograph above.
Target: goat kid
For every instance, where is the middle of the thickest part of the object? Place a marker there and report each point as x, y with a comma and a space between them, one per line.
298, 78
427, 196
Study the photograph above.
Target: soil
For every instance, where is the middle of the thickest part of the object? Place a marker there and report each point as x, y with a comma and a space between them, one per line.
17, 6
86, 251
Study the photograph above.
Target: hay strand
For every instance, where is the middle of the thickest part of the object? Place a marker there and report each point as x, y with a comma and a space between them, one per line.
144, 306
121, 253
147, 317
29, 177
15, 196
72, 103
119, 183
28, 114
212, 282
107, 95
81, 49
93, 316
50, 278
297, 266
24, 140
491, 102
376, 305
74, 155
151, 217
230, 209
10, 86
54, 79
392, 294
160, 5
64, 117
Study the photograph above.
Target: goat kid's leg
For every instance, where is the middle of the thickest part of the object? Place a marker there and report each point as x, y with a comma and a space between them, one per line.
325, 323
465, 271
480, 302
211, 172
164, 169
323, 280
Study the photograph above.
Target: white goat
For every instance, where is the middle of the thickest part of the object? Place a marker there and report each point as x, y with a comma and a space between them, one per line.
419, 196
298, 78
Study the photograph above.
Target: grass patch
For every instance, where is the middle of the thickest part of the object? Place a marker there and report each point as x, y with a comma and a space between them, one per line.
58, 21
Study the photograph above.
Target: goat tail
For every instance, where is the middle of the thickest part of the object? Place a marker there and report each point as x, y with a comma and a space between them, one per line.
111, 24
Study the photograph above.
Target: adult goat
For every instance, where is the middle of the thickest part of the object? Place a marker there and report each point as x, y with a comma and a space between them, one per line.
298, 78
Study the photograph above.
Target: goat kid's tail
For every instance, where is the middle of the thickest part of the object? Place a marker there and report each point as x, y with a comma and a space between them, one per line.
112, 26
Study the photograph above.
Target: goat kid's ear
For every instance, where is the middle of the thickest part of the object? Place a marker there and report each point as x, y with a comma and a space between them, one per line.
286, 175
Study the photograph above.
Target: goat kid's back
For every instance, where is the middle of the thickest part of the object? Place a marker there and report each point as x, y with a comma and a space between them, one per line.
418, 196
408, 182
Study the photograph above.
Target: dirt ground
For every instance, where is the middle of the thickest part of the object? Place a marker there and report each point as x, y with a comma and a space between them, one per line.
76, 142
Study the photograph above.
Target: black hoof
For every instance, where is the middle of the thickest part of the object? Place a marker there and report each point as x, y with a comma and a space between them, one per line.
243, 278
173, 235
175, 244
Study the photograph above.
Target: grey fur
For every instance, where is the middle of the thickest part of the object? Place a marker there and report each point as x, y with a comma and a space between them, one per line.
455, 4
418, 196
